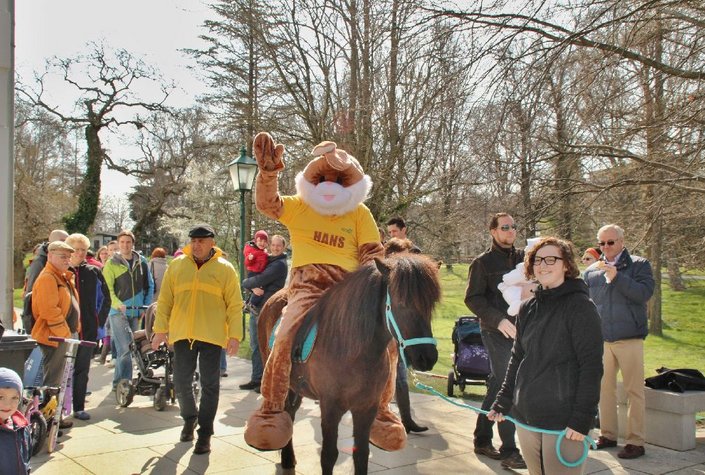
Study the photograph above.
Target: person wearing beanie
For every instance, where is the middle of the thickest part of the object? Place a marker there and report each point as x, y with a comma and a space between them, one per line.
15, 438
256, 258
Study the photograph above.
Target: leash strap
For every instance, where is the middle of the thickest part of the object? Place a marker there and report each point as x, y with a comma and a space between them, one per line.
587, 441
396, 333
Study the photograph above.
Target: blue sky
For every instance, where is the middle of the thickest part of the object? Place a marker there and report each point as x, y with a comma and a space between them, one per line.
154, 30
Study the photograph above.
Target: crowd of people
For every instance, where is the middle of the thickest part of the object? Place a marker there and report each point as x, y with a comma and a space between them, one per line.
573, 333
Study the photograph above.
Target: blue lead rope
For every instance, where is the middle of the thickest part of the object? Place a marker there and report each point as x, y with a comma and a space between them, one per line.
587, 441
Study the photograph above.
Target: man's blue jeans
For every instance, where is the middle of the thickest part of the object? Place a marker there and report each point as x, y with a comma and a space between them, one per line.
257, 366
499, 350
186, 355
122, 328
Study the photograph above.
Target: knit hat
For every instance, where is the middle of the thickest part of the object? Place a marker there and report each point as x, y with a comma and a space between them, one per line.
262, 234
593, 252
10, 379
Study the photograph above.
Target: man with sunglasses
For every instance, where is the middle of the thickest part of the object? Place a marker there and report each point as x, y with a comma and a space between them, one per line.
621, 285
485, 300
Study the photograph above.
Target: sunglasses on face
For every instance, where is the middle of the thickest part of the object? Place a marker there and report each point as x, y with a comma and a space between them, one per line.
606, 243
549, 260
507, 227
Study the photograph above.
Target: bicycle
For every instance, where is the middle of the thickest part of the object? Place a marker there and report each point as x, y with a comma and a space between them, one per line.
64, 398
38, 406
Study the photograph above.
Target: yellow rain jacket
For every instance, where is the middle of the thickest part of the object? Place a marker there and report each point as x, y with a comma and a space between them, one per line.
200, 304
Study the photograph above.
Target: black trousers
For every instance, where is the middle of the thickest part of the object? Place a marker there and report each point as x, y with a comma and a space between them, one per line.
207, 355
81, 366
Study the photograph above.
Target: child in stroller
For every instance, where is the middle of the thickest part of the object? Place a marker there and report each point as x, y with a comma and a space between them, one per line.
471, 363
149, 363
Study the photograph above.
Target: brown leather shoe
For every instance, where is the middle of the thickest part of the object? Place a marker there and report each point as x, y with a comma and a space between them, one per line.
514, 461
631, 451
488, 451
604, 443
203, 445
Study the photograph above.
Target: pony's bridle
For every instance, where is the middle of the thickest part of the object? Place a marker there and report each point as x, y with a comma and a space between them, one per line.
396, 333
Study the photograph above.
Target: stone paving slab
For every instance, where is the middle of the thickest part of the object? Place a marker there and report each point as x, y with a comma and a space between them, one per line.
138, 439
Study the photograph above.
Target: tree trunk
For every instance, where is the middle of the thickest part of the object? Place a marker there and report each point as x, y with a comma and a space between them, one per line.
674, 275
82, 219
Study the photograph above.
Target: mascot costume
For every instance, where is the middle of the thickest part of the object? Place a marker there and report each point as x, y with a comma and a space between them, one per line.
332, 233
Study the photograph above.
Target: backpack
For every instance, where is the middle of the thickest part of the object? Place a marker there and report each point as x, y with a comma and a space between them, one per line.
27, 316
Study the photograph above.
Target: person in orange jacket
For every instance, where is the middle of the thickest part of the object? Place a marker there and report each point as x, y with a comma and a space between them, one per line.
55, 309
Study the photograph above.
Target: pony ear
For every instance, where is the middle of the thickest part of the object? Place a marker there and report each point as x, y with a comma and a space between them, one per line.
383, 268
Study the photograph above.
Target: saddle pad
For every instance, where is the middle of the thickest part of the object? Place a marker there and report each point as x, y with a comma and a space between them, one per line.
299, 354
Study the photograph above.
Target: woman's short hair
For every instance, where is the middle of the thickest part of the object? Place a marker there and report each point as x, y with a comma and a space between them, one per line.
568, 254
158, 252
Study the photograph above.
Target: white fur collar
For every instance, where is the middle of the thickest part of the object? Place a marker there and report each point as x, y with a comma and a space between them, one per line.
345, 200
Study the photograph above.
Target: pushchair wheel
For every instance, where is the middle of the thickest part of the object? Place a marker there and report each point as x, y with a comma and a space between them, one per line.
124, 393
451, 383
160, 398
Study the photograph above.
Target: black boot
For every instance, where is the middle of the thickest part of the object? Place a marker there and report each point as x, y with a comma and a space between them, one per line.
187, 431
402, 397
203, 445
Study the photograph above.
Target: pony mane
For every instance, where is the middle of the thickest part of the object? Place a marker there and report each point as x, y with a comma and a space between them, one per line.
350, 312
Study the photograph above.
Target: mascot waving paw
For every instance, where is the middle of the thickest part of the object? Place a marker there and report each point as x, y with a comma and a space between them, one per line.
332, 233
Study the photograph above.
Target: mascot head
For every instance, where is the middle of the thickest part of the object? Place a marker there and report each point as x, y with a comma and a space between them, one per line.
332, 183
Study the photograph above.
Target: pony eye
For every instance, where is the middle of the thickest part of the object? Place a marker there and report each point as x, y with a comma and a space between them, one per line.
339, 180
321, 179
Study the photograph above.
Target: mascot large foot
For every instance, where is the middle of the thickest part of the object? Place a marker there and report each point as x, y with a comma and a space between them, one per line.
269, 430
387, 431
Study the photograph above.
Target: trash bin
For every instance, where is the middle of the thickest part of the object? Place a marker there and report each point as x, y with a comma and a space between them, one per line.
14, 350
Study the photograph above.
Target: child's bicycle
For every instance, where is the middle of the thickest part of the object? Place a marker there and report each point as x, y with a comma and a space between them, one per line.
64, 397
39, 406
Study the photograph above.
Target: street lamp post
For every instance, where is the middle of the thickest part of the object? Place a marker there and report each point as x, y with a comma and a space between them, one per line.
242, 171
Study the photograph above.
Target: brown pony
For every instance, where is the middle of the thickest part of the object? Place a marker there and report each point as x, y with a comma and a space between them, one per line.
349, 364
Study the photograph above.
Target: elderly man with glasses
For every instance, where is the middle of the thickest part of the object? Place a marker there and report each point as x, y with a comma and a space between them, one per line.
485, 300
621, 284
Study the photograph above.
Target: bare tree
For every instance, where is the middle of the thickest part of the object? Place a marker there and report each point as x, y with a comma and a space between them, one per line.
106, 85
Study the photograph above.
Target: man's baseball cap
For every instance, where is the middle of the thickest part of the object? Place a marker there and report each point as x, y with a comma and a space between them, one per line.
201, 231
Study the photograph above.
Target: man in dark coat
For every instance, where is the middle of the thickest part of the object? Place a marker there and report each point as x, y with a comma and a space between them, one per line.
621, 285
485, 300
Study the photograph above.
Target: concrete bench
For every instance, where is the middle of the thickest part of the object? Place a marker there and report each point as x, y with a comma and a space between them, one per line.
670, 416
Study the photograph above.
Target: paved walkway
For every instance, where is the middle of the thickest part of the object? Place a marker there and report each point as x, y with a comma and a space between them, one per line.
138, 439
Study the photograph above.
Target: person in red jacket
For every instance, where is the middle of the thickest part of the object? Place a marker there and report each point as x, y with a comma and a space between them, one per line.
256, 259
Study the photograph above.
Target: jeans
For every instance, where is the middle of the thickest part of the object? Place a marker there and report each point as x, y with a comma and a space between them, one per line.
257, 365
499, 350
186, 355
223, 361
121, 328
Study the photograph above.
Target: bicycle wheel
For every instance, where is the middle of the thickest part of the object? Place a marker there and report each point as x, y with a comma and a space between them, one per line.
38, 429
53, 435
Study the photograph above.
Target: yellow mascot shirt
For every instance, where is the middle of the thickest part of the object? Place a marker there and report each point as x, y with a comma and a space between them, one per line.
318, 239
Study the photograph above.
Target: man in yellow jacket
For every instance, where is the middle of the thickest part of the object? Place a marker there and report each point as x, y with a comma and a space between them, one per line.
199, 311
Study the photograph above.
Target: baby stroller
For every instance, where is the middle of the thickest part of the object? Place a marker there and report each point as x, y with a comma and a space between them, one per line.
149, 363
471, 363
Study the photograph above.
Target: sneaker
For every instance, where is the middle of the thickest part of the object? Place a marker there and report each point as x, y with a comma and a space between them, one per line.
488, 451
631, 451
223, 374
81, 415
249, 386
514, 461
257, 389
604, 443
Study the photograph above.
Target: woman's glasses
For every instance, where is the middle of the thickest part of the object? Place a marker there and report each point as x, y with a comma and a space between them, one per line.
507, 227
549, 260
